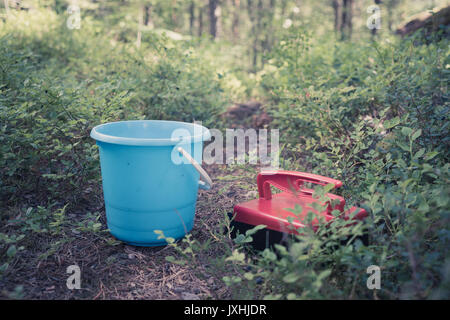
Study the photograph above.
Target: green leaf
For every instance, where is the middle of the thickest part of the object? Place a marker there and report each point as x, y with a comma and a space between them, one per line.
12, 250
170, 240
249, 276
297, 210
406, 131
291, 296
281, 249
328, 187
403, 146
388, 124
291, 277
172, 259
159, 233
324, 274
431, 155
231, 280
416, 134
255, 229
419, 153
236, 256
97, 226
4, 266
269, 255
273, 296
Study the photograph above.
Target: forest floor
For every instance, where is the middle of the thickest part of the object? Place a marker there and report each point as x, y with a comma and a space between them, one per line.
111, 269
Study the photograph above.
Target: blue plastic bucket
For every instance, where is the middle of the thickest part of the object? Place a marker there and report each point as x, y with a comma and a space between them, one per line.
146, 184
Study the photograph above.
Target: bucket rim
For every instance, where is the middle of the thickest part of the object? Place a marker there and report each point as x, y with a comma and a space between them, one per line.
204, 135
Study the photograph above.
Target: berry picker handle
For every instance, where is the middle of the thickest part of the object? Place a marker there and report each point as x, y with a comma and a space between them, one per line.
290, 181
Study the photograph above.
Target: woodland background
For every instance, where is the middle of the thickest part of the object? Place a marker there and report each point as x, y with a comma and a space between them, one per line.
363, 105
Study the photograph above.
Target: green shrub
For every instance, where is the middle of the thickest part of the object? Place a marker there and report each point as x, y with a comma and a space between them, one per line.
375, 117
56, 84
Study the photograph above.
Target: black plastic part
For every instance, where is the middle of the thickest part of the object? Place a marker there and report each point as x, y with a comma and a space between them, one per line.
262, 239
266, 238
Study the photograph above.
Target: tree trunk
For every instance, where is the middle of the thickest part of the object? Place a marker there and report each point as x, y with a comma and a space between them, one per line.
147, 14
350, 18
346, 22
390, 18
390, 6
429, 21
283, 7
173, 15
140, 23
6, 7
336, 10
270, 38
344, 18
212, 18
251, 15
218, 11
200, 21
191, 17
257, 44
235, 21
268, 29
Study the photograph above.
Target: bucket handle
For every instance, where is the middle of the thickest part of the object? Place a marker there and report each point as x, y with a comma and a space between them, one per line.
206, 183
